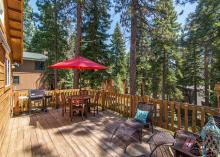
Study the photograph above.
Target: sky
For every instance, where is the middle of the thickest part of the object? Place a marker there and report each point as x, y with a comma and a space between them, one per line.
187, 9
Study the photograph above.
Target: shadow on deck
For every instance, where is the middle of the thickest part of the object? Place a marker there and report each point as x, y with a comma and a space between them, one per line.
50, 134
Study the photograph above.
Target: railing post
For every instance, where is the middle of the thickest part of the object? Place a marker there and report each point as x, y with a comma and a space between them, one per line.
16, 103
133, 105
186, 125
178, 115
103, 100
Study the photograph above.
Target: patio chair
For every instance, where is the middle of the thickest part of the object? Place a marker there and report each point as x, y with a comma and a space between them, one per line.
164, 138
93, 106
65, 103
131, 129
83, 92
78, 106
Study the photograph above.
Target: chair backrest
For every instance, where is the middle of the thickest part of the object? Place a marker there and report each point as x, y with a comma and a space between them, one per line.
83, 92
96, 98
146, 107
77, 102
217, 120
63, 98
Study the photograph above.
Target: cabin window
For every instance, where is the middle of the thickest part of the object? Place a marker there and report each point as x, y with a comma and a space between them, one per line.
39, 65
16, 79
7, 72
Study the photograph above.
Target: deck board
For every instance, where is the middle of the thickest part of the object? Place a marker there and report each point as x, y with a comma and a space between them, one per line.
51, 135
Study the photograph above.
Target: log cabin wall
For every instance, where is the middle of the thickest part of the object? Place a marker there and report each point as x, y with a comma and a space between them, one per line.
11, 48
5, 95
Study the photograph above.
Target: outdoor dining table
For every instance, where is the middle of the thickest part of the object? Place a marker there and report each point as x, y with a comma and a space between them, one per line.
85, 98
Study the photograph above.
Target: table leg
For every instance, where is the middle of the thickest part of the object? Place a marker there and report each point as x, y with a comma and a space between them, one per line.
71, 112
29, 106
86, 110
177, 154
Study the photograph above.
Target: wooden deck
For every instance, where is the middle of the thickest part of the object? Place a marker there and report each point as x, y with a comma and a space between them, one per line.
51, 135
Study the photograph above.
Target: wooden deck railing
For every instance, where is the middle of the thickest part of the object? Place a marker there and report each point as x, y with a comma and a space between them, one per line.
168, 115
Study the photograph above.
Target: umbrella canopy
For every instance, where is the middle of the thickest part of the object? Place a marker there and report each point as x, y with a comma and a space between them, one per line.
78, 63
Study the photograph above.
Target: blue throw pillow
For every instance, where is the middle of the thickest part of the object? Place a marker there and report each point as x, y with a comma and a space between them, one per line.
141, 116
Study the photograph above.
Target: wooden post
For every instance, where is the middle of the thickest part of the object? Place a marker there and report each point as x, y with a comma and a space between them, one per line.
165, 107
178, 115
172, 116
161, 113
186, 124
202, 117
217, 90
194, 119
133, 105
16, 103
103, 100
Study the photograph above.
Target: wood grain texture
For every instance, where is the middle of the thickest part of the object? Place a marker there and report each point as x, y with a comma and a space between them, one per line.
52, 135
169, 115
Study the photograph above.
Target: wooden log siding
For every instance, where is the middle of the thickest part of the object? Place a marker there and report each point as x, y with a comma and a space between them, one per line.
168, 115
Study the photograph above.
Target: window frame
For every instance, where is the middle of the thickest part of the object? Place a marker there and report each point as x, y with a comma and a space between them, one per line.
7, 72
18, 78
42, 65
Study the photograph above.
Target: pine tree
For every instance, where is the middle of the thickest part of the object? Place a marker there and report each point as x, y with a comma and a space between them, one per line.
28, 25
95, 26
165, 40
143, 56
205, 25
51, 36
118, 57
78, 38
132, 11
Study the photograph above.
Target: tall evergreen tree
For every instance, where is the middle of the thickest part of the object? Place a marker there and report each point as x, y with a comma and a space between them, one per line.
28, 25
131, 12
78, 38
166, 41
51, 35
118, 57
95, 26
205, 25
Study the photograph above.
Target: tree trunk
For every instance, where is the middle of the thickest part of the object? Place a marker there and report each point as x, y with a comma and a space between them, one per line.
78, 41
164, 76
206, 76
55, 47
133, 53
194, 77
154, 82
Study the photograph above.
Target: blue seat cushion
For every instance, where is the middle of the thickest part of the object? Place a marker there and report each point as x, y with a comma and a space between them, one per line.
141, 116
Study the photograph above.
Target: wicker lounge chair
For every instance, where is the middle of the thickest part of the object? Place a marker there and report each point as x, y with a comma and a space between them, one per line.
131, 129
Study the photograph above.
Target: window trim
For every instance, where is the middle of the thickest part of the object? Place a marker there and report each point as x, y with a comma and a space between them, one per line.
7, 72
18, 80
39, 63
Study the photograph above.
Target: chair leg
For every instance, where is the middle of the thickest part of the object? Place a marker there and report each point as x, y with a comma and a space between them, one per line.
82, 113
114, 132
152, 127
125, 148
97, 110
154, 150
140, 135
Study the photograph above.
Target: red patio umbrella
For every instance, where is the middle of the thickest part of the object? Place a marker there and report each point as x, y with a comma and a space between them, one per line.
78, 63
